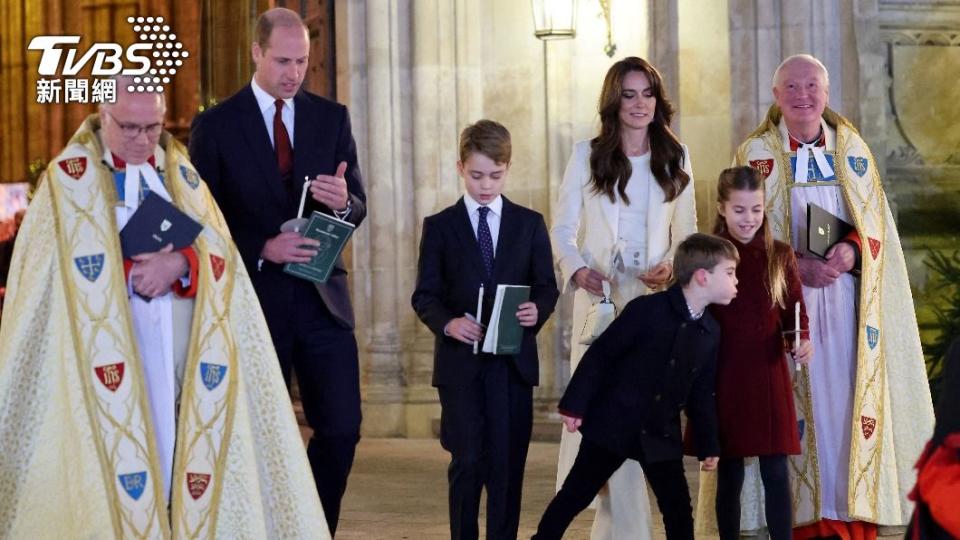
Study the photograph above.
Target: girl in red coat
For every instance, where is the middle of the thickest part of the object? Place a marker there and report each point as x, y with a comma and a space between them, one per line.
754, 390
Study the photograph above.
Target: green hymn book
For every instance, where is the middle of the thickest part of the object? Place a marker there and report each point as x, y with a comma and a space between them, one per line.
332, 233
504, 333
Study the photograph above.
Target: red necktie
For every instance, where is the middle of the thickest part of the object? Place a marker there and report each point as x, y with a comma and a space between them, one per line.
281, 142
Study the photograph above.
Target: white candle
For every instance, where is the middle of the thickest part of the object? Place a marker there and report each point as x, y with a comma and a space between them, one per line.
796, 332
303, 195
476, 343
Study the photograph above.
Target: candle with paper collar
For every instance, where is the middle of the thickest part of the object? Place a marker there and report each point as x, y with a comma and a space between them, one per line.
303, 195
476, 343
796, 332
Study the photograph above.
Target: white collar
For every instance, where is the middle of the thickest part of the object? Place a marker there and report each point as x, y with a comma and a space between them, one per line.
265, 100
133, 173
829, 135
803, 153
495, 206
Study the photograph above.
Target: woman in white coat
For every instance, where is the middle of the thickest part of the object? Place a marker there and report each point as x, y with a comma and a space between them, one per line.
626, 202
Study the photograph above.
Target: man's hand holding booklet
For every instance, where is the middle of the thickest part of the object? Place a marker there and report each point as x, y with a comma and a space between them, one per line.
155, 225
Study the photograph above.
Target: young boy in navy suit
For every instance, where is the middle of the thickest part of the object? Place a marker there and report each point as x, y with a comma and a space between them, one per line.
486, 400
656, 359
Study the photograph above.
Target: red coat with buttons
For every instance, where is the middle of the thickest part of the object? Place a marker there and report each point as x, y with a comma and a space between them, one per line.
755, 409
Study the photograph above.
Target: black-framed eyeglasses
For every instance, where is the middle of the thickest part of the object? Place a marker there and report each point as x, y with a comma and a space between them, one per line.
132, 131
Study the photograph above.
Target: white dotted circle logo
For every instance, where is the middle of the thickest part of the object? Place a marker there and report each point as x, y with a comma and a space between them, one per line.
167, 55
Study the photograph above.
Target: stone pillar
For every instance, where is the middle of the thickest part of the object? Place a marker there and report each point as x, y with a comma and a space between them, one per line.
558, 128
704, 100
435, 184
873, 79
663, 36
383, 281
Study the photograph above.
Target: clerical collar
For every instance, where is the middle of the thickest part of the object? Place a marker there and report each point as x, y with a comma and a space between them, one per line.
119, 164
796, 143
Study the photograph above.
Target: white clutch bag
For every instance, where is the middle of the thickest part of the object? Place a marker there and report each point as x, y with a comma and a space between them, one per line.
599, 317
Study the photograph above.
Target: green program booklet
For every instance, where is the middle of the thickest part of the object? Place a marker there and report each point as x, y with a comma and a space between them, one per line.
504, 333
332, 233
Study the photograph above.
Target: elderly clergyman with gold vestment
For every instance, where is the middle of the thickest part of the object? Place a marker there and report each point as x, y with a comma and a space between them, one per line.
863, 406
140, 398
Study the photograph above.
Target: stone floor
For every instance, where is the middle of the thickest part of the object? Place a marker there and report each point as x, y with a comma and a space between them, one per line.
398, 490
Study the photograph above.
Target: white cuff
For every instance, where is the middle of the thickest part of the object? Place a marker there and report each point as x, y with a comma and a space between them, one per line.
342, 214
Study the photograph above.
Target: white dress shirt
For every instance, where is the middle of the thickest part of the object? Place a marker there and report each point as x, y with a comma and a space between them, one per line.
493, 216
268, 108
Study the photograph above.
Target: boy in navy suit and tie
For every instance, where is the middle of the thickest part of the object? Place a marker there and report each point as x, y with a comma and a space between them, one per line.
656, 359
486, 400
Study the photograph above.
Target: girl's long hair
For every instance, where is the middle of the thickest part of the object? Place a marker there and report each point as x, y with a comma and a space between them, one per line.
749, 179
609, 167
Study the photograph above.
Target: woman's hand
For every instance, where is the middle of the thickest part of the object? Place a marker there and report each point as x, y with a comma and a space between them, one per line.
589, 280
657, 276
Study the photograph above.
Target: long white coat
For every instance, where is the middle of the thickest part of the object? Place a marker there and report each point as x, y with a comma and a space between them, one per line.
585, 233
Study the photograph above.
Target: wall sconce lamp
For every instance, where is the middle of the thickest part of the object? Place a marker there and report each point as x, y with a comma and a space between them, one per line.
554, 19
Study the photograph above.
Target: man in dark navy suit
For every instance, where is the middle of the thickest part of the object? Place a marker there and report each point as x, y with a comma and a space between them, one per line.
486, 400
254, 150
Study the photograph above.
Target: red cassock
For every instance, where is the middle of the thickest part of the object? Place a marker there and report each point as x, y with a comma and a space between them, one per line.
754, 386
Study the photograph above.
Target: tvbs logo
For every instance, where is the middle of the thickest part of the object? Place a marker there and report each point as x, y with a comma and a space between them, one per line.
107, 57
152, 60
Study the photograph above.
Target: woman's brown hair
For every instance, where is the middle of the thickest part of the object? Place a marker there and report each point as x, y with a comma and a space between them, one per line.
609, 166
749, 179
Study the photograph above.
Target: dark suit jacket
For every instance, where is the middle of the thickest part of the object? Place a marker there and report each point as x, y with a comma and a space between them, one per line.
633, 381
449, 274
231, 149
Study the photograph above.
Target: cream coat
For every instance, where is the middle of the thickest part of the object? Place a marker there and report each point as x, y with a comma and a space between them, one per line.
592, 218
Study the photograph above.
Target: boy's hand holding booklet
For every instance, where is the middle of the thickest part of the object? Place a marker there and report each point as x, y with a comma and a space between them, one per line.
504, 333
